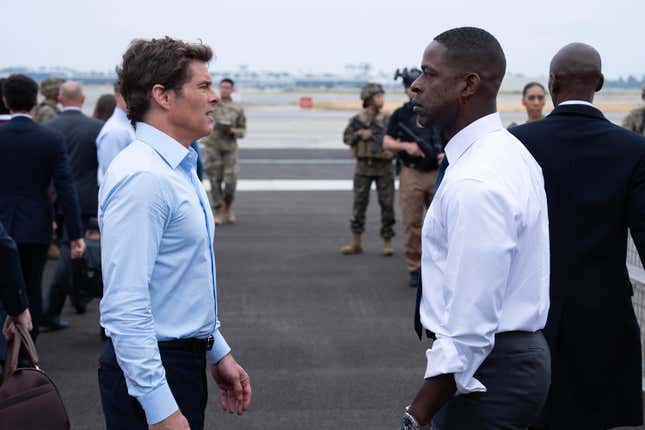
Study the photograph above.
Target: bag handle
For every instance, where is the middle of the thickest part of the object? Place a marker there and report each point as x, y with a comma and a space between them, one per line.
21, 338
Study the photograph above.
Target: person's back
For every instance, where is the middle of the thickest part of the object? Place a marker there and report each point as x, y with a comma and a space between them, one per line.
80, 132
594, 175
116, 134
26, 170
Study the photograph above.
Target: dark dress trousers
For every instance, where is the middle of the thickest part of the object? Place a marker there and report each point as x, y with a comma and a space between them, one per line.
80, 132
31, 156
12, 287
594, 175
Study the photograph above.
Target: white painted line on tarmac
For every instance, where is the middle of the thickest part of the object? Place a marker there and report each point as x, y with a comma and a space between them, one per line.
295, 185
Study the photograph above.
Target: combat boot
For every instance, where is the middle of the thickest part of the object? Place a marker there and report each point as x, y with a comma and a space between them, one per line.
355, 247
387, 248
219, 215
230, 216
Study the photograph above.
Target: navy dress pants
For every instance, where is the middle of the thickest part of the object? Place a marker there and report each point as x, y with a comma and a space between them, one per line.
186, 375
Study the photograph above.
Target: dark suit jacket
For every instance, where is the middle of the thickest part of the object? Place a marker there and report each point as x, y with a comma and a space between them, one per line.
594, 175
80, 133
30, 157
12, 285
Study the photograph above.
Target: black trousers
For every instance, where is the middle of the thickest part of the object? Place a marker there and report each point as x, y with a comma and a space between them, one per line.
516, 375
33, 257
62, 284
186, 376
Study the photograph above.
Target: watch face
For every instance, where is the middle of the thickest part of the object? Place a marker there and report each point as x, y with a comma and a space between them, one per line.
407, 423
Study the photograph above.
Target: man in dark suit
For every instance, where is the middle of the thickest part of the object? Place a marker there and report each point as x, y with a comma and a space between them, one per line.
31, 156
594, 175
80, 132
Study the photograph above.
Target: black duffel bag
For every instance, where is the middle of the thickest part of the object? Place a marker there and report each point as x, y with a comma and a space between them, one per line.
29, 400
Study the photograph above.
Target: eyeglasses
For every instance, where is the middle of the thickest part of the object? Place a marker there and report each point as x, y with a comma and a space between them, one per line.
535, 97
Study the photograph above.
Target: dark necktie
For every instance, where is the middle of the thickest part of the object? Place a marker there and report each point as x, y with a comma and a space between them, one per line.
418, 328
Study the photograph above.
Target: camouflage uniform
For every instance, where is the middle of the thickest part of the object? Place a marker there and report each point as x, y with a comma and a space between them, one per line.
371, 165
46, 110
49, 89
635, 120
220, 151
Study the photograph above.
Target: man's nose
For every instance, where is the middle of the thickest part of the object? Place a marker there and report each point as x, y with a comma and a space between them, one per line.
415, 88
214, 97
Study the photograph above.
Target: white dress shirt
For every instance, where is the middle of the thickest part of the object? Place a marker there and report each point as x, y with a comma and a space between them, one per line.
485, 251
576, 102
116, 134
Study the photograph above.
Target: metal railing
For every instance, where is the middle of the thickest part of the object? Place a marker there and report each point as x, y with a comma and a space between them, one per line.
637, 275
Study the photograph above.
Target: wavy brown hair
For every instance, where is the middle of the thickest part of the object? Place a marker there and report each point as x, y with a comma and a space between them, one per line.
147, 63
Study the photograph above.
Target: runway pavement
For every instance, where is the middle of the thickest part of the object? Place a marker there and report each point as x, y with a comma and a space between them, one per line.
327, 339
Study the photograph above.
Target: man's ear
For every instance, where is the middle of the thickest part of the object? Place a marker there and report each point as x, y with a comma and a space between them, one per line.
472, 83
161, 96
601, 82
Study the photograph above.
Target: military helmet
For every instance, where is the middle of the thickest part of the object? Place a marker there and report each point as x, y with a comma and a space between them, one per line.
49, 87
370, 90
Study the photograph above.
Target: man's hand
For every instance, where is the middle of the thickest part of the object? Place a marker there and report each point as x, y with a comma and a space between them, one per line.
77, 247
176, 421
434, 393
234, 385
9, 328
365, 133
413, 149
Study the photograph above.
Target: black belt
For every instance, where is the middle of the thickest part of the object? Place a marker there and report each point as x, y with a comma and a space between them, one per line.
191, 344
417, 167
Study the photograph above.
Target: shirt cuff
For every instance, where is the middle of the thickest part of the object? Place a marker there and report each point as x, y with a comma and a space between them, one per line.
158, 404
444, 358
219, 350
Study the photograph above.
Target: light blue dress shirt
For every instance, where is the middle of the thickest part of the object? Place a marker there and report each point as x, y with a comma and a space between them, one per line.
116, 134
158, 263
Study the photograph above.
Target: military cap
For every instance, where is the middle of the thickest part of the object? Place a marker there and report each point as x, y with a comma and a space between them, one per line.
49, 87
370, 90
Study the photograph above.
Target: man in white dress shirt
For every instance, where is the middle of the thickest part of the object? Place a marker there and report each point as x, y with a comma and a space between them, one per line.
484, 291
116, 134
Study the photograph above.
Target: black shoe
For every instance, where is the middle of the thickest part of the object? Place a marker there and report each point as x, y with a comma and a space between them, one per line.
413, 279
54, 324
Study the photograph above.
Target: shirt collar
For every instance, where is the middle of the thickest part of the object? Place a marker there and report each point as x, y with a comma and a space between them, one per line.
461, 141
169, 149
21, 115
72, 108
5, 117
576, 102
121, 114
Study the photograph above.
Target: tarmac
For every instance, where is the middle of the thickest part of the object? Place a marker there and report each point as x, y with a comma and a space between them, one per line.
327, 339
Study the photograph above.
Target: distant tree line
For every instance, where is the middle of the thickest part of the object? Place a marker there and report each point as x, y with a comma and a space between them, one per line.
629, 82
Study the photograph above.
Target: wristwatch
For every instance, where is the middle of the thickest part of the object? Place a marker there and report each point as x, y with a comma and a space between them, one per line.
409, 422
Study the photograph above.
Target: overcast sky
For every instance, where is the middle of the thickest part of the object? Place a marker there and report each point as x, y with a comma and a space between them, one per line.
315, 35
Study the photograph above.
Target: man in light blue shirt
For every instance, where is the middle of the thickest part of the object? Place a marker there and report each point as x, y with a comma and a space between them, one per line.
116, 134
159, 308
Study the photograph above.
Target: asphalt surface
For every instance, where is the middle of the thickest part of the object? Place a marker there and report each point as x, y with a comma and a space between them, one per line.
327, 339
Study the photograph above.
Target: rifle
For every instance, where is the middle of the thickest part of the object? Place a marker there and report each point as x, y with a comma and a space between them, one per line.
378, 132
426, 148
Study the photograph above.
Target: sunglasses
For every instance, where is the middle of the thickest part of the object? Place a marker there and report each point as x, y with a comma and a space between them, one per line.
535, 97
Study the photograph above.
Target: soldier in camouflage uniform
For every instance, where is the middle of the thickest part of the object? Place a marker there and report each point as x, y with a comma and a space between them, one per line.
635, 121
48, 108
364, 134
220, 152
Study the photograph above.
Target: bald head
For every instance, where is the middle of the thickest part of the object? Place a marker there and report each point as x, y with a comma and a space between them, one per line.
575, 73
71, 94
